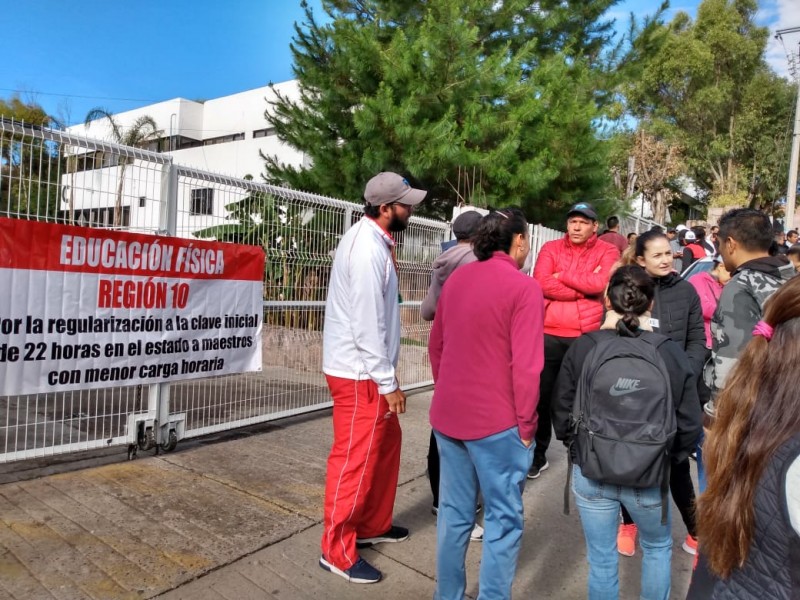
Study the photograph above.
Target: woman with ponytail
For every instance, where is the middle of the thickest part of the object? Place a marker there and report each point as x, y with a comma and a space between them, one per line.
629, 299
749, 515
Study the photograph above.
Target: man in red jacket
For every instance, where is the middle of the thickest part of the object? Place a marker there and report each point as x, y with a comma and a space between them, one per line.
573, 272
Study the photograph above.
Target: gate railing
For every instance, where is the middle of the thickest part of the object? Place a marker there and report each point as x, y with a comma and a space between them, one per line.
55, 176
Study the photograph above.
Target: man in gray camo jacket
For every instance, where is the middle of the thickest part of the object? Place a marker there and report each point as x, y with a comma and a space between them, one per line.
745, 236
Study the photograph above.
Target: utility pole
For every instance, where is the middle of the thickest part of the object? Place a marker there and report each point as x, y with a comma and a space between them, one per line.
791, 190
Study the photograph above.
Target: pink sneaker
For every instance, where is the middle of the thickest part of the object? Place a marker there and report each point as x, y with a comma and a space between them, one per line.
690, 545
626, 539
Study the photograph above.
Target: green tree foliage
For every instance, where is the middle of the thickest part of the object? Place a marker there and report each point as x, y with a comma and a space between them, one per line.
504, 93
709, 91
29, 166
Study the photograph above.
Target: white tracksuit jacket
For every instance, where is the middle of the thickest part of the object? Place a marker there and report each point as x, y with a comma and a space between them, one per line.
361, 335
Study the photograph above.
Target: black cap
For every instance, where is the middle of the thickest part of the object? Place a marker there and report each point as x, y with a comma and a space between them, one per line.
466, 224
583, 208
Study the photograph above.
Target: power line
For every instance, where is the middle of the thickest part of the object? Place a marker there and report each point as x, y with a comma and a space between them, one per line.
33, 92
791, 57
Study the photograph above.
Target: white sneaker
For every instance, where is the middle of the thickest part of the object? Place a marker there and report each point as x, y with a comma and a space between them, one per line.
477, 534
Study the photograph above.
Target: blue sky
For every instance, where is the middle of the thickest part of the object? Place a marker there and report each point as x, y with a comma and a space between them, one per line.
73, 56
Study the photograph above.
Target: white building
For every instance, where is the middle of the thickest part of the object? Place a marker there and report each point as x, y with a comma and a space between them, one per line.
222, 135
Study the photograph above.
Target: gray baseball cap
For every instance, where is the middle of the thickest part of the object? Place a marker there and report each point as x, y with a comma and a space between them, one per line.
387, 187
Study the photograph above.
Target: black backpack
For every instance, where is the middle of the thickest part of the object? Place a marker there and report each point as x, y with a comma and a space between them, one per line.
623, 418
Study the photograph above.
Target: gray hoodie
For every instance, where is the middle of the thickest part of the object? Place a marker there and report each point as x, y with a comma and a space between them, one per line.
448, 261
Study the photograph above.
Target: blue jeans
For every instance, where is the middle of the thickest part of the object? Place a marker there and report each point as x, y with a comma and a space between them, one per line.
701, 468
598, 505
498, 466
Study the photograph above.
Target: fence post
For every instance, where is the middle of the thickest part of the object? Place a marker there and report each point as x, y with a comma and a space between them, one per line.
348, 219
168, 218
158, 401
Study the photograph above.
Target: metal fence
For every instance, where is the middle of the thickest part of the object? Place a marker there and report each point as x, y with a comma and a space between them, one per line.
634, 224
54, 176
50, 175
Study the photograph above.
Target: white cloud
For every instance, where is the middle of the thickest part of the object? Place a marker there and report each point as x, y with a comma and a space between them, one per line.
781, 14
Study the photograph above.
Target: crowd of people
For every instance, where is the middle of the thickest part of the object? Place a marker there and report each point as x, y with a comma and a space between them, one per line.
633, 366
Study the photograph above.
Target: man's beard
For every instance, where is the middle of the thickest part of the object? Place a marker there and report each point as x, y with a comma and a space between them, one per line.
396, 224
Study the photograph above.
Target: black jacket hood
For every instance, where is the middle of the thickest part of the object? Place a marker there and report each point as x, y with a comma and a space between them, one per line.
776, 266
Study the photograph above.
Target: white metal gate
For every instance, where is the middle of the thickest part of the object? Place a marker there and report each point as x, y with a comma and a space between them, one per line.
54, 176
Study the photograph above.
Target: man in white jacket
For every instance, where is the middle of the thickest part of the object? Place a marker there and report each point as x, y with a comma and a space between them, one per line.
361, 345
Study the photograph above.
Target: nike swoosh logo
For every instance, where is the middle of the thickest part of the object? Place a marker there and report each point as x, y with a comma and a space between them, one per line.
617, 392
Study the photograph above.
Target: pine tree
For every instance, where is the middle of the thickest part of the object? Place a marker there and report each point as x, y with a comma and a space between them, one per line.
492, 103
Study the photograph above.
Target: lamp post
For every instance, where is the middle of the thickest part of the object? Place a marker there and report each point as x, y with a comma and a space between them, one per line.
791, 189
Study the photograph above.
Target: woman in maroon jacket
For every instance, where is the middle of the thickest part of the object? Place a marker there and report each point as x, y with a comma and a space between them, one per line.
486, 354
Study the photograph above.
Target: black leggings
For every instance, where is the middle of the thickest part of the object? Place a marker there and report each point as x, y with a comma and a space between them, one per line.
433, 469
682, 488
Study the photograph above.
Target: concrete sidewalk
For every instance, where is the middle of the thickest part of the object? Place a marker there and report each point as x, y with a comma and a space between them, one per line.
238, 517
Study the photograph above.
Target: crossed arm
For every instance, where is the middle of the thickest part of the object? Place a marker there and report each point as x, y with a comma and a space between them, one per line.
572, 285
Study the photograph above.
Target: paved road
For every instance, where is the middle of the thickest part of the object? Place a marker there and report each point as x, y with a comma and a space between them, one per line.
238, 517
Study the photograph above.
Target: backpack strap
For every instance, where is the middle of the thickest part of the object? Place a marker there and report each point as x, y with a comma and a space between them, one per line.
653, 338
569, 478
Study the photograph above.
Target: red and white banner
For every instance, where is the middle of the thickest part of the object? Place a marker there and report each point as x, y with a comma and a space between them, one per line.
85, 308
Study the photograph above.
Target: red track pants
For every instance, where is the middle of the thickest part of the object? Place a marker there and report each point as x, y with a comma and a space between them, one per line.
363, 468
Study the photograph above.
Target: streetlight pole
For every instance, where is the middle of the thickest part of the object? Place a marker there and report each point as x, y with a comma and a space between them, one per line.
791, 190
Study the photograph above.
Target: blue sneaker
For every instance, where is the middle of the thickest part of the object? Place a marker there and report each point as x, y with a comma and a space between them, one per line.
395, 534
360, 572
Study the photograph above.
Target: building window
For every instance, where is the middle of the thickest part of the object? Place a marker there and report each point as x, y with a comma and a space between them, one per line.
259, 133
95, 217
142, 201
202, 201
185, 142
222, 139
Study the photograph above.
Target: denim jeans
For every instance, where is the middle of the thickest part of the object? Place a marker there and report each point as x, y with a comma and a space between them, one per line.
498, 466
599, 505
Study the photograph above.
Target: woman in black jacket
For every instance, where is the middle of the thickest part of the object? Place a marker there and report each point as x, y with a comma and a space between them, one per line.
630, 294
678, 314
